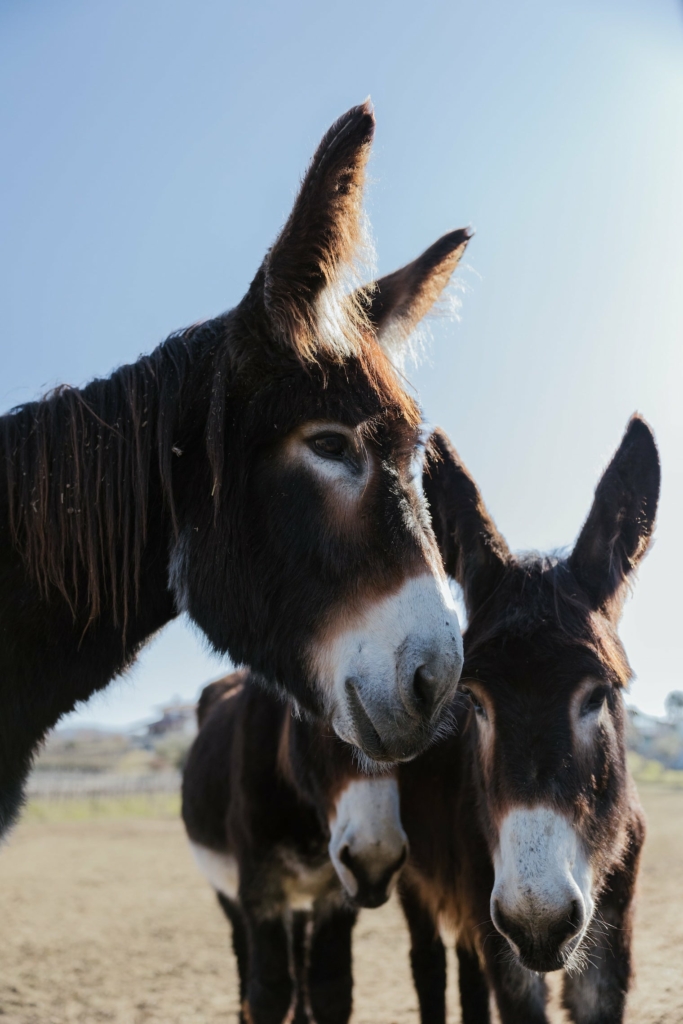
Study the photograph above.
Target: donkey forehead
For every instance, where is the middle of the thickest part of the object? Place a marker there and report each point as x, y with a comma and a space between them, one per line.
349, 391
534, 671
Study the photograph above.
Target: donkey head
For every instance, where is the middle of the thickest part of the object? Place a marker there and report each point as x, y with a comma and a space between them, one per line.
368, 845
316, 562
367, 842
543, 673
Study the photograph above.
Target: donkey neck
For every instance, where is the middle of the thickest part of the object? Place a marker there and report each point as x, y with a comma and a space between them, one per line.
86, 524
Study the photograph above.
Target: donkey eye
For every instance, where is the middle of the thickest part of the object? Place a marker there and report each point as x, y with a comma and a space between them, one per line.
331, 446
594, 700
479, 708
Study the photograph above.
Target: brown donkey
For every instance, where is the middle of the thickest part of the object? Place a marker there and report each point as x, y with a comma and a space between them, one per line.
525, 827
255, 471
293, 838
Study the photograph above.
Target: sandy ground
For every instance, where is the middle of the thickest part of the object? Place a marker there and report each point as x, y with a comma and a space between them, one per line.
108, 920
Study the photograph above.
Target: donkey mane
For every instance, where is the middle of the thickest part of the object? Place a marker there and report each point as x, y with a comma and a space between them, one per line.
78, 465
539, 595
79, 461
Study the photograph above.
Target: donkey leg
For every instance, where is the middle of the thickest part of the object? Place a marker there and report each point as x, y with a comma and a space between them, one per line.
299, 954
233, 912
474, 989
521, 995
269, 985
427, 958
330, 979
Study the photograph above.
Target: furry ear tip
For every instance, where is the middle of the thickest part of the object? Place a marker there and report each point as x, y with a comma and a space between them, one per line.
360, 120
639, 428
445, 249
454, 239
439, 446
639, 436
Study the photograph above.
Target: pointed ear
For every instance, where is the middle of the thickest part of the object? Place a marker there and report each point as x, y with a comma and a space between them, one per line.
617, 533
473, 550
304, 271
397, 302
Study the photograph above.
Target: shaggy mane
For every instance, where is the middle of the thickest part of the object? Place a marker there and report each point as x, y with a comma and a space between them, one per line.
79, 464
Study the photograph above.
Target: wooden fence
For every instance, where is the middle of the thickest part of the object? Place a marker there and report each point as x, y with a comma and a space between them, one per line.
56, 785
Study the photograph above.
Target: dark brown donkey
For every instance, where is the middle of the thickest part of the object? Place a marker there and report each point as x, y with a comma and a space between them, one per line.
293, 838
525, 828
255, 471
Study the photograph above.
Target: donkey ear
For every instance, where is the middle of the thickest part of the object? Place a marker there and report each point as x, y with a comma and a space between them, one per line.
304, 271
619, 527
473, 550
397, 302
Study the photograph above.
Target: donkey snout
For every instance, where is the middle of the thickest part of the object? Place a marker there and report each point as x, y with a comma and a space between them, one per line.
374, 880
368, 844
392, 675
426, 679
543, 938
542, 899
387, 734
399, 731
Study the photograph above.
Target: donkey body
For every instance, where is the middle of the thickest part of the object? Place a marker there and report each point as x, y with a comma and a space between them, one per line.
293, 839
254, 471
525, 827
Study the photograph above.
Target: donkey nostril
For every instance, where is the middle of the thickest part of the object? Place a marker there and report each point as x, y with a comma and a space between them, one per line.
572, 922
575, 914
565, 928
423, 689
401, 860
499, 918
345, 856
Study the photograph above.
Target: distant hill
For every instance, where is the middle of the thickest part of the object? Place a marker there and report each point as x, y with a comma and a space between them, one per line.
155, 746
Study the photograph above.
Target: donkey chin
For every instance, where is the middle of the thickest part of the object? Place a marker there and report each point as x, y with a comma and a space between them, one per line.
542, 900
390, 678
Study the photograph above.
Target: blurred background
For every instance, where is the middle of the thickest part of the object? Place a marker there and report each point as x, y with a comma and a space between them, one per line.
152, 151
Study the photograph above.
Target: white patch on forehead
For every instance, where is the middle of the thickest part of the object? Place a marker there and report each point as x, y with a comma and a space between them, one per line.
219, 869
367, 821
540, 866
416, 626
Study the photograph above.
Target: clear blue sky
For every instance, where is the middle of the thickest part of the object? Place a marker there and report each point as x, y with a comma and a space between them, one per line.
152, 150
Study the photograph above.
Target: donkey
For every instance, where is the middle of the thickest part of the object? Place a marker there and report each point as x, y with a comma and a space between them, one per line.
525, 827
294, 839
255, 471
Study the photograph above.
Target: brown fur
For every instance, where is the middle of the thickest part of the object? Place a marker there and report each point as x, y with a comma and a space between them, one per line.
540, 646
154, 491
262, 786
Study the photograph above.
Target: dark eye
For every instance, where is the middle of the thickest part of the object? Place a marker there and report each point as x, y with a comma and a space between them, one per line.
595, 699
476, 704
333, 446
330, 446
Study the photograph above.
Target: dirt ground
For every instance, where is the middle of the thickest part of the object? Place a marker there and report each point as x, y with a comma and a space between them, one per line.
108, 920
